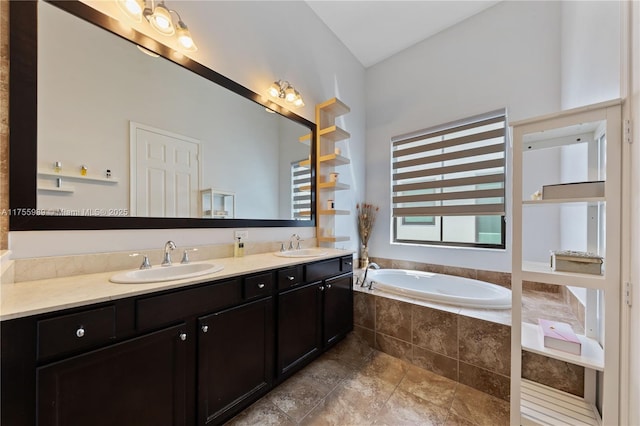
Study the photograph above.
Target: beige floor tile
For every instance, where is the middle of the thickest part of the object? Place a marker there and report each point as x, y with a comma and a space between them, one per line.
298, 395
406, 409
455, 420
385, 367
337, 411
327, 371
429, 386
353, 351
262, 413
479, 407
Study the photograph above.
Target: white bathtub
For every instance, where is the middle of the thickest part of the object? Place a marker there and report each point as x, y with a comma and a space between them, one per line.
463, 292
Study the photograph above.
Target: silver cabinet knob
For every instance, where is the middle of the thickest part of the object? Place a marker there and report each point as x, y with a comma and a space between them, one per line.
328, 286
183, 336
80, 332
348, 263
205, 328
321, 288
261, 285
290, 278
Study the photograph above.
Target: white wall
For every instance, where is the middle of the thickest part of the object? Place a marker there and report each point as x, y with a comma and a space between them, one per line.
590, 64
249, 43
507, 56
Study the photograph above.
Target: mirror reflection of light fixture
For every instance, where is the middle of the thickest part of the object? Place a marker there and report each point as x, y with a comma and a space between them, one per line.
159, 17
284, 90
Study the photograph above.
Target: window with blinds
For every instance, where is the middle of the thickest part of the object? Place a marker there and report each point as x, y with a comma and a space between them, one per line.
300, 190
449, 183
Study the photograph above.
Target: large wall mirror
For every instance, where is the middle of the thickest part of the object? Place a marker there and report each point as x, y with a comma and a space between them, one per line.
116, 138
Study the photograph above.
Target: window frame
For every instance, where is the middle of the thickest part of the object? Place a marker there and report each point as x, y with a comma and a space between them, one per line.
396, 220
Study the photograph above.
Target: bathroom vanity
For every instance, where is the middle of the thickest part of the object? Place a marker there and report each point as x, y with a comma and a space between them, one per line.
193, 354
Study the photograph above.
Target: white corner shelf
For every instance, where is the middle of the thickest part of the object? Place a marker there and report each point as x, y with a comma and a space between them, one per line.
63, 189
88, 178
542, 272
592, 354
543, 405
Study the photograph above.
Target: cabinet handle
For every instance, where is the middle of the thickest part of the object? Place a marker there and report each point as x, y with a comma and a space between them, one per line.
261, 285
328, 286
348, 263
205, 328
321, 288
183, 336
290, 278
80, 332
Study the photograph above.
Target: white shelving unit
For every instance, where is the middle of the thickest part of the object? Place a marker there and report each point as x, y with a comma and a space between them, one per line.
326, 162
533, 403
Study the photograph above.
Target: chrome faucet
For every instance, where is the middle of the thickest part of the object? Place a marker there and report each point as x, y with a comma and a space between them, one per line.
168, 246
297, 237
366, 270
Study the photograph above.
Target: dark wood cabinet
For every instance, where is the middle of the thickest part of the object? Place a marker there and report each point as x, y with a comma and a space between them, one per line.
192, 355
141, 381
337, 308
299, 326
235, 359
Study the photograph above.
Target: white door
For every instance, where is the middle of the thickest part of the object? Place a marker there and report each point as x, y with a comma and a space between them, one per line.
165, 173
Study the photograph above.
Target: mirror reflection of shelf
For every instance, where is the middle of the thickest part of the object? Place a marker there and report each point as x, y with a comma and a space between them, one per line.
89, 178
63, 189
306, 139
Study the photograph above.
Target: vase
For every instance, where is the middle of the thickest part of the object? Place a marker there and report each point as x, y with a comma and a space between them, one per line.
364, 256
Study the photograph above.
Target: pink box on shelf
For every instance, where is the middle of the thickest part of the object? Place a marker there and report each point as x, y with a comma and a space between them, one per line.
560, 336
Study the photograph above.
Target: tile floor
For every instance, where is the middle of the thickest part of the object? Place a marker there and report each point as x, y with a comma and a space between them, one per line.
353, 384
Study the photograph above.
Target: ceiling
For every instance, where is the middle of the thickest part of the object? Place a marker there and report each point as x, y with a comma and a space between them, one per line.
374, 30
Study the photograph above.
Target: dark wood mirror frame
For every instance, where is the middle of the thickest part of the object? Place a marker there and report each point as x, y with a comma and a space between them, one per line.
23, 98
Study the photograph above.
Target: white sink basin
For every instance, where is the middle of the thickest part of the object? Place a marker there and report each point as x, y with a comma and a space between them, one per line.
310, 252
165, 273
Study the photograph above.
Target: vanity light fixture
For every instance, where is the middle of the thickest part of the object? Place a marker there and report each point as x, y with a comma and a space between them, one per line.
159, 17
284, 90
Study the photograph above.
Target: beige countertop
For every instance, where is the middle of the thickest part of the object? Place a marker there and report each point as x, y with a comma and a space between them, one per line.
37, 297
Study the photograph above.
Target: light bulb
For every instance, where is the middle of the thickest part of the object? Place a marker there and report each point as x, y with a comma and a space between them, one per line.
132, 8
161, 20
274, 90
290, 94
184, 37
298, 102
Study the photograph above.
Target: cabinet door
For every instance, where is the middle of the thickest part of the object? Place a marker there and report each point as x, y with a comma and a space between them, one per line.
235, 359
338, 308
299, 326
137, 382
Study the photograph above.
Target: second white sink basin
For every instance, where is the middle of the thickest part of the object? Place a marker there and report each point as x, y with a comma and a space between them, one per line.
166, 273
310, 252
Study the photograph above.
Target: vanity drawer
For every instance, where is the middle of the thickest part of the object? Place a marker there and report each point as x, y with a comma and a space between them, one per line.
325, 269
77, 331
257, 286
290, 277
346, 264
173, 307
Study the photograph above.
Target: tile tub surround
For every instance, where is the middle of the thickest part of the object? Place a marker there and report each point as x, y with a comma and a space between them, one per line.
353, 384
470, 346
41, 268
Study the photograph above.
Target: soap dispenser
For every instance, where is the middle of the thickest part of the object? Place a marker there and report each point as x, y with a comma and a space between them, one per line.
238, 248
